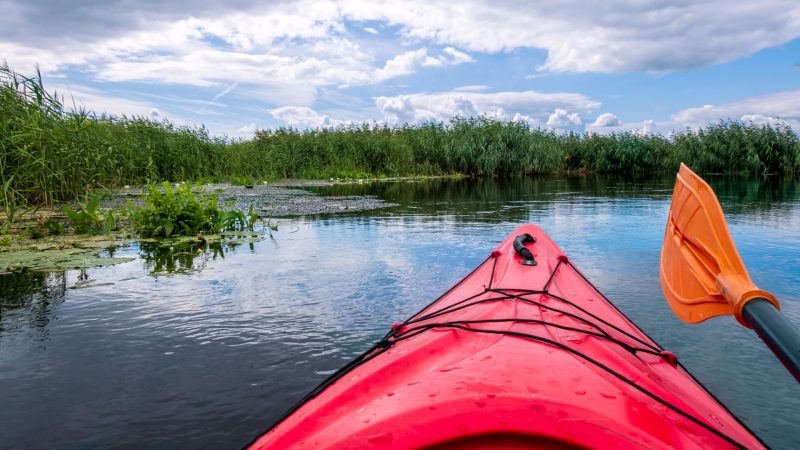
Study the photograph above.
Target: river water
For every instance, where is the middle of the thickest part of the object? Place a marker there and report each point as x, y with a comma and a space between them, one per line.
205, 350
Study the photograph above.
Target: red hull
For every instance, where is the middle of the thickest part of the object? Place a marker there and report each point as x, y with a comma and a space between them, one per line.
514, 356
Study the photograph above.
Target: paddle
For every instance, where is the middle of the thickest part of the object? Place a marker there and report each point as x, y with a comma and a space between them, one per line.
702, 275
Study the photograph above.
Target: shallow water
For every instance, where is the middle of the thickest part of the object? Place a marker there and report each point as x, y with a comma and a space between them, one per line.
208, 355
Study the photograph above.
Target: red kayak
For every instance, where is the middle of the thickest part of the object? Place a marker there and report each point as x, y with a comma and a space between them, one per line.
523, 352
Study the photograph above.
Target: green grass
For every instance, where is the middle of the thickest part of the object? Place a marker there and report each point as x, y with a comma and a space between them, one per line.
53, 153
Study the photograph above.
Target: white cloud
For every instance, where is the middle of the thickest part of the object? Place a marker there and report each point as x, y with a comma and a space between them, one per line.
610, 36
564, 121
308, 41
407, 63
758, 119
532, 107
780, 106
455, 56
305, 117
648, 127
606, 120
371, 30
247, 130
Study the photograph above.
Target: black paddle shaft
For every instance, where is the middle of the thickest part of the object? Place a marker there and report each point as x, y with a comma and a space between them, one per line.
776, 331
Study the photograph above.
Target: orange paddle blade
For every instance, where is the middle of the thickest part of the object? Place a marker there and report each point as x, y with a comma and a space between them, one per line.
702, 275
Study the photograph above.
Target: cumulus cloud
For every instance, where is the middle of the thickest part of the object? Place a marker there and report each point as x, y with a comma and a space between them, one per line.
407, 62
565, 121
305, 117
758, 119
648, 127
535, 108
610, 36
772, 108
309, 40
247, 130
606, 120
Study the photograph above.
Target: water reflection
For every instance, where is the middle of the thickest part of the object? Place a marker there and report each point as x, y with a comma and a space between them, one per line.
209, 357
188, 256
747, 195
30, 297
468, 195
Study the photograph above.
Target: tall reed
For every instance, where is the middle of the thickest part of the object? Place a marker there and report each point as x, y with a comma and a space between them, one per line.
52, 153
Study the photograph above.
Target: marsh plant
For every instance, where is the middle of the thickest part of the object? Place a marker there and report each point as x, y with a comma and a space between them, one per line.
89, 218
51, 153
172, 211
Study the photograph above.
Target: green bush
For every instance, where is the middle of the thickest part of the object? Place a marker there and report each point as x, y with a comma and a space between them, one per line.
168, 212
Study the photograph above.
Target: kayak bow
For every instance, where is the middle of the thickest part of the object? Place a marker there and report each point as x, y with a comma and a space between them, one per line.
523, 352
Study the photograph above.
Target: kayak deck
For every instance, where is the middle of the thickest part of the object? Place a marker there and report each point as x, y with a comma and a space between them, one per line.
515, 355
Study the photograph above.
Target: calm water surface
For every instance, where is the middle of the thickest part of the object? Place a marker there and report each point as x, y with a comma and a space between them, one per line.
207, 355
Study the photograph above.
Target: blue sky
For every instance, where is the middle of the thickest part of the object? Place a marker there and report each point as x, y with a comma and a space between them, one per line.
239, 65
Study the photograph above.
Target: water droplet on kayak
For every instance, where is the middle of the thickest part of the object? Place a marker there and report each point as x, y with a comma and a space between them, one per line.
589, 299
718, 420
580, 391
366, 421
491, 395
389, 394
413, 383
382, 438
486, 357
448, 369
607, 395
480, 403
574, 338
433, 394
532, 389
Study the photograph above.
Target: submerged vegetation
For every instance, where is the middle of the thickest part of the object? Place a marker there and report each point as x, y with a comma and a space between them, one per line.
51, 153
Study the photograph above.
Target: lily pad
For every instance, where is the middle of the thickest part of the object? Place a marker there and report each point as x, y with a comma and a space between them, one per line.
54, 260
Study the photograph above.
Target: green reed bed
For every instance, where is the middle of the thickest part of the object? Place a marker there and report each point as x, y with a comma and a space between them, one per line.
487, 147
52, 152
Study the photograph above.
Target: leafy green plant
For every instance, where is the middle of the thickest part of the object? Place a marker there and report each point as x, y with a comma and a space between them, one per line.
33, 232
54, 227
172, 211
88, 219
